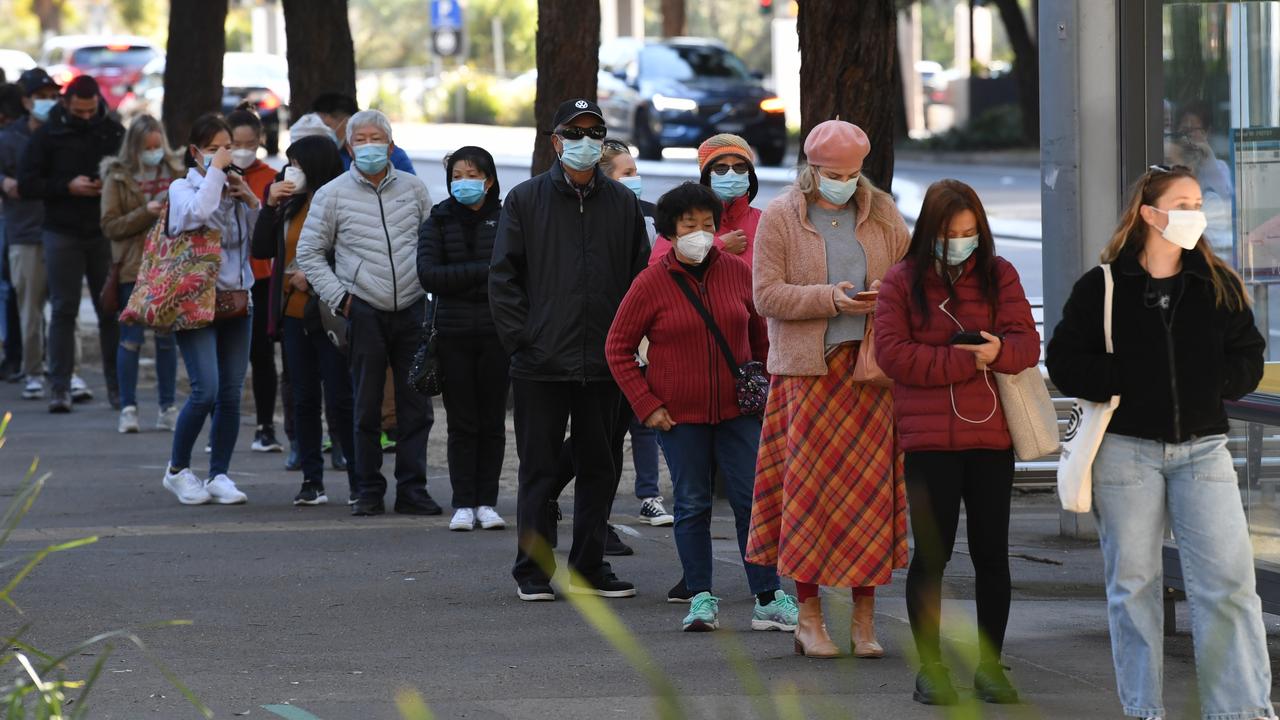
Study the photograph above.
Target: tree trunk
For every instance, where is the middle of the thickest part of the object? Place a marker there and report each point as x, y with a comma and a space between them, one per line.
848, 57
321, 55
193, 68
1026, 66
568, 48
673, 18
49, 13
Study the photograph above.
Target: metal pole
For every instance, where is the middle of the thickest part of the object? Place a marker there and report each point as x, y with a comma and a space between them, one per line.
499, 48
461, 100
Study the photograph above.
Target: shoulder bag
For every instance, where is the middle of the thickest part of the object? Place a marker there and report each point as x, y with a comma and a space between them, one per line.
424, 373
866, 370
1029, 413
750, 379
177, 281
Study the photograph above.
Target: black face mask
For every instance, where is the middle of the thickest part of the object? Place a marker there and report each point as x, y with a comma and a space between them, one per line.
78, 123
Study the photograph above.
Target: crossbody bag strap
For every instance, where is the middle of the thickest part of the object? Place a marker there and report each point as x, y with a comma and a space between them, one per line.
1108, 294
710, 321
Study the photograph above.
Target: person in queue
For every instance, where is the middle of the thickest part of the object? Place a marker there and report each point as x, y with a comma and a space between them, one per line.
569, 243
318, 372
726, 165
950, 420
830, 504
368, 218
455, 245
688, 393
336, 111
134, 191
1184, 341
217, 355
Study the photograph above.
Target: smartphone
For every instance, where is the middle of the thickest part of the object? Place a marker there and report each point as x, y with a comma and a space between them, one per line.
867, 296
968, 338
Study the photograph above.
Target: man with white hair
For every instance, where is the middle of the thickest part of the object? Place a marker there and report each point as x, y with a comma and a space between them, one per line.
368, 218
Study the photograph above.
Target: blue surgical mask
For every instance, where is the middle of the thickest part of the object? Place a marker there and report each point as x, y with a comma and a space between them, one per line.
731, 185
467, 191
371, 158
207, 161
958, 249
152, 158
634, 183
836, 192
581, 154
41, 107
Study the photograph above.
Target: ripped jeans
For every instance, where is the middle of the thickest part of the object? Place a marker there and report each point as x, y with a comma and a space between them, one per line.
129, 351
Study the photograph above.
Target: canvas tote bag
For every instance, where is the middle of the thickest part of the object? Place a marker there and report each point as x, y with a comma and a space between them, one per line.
1029, 413
1086, 428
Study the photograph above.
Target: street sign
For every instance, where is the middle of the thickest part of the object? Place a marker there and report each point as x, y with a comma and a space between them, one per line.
446, 42
446, 14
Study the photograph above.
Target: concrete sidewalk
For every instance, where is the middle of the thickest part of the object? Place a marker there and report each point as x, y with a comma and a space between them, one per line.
331, 615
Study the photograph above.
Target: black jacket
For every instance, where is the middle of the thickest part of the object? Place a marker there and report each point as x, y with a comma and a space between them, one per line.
1171, 382
62, 149
455, 246
561, 263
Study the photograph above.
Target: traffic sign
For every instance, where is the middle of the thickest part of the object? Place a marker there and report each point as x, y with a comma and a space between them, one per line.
446, 41
446, 14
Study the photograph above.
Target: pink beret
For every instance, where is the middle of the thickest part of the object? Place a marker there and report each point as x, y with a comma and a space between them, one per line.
836, 143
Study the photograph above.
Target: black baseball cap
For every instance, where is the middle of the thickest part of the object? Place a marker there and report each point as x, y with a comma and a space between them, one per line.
570, 109
35, 79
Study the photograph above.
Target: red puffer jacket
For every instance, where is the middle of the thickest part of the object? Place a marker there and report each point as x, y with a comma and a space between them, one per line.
941, 400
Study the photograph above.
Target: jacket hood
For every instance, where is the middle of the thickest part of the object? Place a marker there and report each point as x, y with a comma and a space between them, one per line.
59, 120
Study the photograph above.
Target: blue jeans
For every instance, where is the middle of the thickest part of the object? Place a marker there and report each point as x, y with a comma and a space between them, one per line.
217, 358
128, 352
1138, 486
693, 452
315, 364
644, 453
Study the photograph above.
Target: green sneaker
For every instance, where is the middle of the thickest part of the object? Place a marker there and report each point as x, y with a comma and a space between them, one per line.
388, 444
703, 612
781, 614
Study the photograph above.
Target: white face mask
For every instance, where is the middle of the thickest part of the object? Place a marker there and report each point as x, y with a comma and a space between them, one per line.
695, 245
1185, 227
297, 177
243, 158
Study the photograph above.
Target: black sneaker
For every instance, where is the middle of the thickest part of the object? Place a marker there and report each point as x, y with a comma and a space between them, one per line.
991, 685
264, 440
679, 593
368, 508
554, 516
613, 544
607, 586
310, 494
417, 503
60, 402
933, 686
293, 463
535, 591
352, 499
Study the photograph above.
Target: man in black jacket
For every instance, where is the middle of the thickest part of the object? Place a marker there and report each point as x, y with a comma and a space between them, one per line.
61, 168
569, 243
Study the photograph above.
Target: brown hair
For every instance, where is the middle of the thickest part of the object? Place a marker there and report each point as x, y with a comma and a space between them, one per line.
943, 201
1228, 288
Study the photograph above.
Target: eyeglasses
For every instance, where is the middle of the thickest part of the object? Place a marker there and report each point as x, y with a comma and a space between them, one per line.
595, 132
722, 168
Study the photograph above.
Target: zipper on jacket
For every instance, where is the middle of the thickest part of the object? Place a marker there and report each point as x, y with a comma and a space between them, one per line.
1173, 366
582, 227
391, 258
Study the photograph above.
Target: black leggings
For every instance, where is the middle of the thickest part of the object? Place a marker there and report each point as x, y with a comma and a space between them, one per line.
936, 484
262, 355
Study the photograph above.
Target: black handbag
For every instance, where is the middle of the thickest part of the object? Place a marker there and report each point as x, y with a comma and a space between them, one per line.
750, 379
424, 374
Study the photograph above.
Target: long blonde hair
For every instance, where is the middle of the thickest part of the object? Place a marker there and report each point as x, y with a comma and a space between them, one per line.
807, 184
1131, 235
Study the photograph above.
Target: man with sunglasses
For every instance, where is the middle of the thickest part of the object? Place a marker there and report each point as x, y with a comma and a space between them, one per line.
569, 243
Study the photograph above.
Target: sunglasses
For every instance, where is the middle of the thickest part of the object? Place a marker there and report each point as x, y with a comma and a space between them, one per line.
722, 168
1169, 168
595, 132
617, 145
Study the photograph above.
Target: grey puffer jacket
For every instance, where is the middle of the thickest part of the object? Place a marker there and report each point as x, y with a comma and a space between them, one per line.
373, 233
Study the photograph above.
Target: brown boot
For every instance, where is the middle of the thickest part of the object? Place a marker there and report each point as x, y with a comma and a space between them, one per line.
863, 629
812, 639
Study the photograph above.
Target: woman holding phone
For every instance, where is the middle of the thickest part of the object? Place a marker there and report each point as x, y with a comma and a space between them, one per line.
829, 508
950, 314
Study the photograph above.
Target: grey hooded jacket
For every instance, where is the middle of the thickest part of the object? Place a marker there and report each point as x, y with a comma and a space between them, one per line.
373, 233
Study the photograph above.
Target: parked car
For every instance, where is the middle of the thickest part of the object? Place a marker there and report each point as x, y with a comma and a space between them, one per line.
257, 77
680, 91
115, 61
14, 63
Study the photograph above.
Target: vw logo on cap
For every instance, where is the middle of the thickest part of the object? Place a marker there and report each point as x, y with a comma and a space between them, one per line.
581, 104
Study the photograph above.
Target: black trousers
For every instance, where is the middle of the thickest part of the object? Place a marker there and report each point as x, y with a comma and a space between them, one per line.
617, 440
376, 339
542, 409
262, 355
476, 383
937, 482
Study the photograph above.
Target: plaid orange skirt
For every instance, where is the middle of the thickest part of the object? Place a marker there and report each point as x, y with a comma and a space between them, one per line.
830, 502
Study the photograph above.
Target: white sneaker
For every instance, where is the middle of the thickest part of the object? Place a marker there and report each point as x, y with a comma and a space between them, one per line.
128, 420
225, 492
464, 520
80, 391
167, 419
186, 486
34, 389
489, 518
652, 512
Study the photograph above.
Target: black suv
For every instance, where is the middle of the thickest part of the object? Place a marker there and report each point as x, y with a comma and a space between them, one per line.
681, 91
